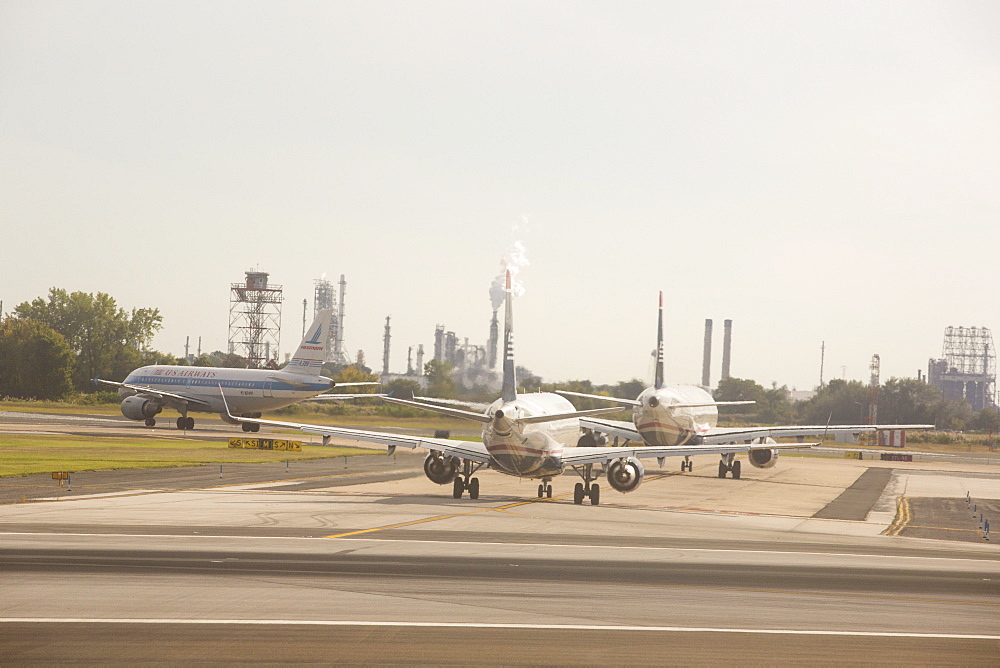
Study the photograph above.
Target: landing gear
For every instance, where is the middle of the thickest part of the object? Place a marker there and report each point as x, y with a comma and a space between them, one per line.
185, 423
687, 465
250, 426
729, 464
545, 489
150, 422
465, 481
585, 489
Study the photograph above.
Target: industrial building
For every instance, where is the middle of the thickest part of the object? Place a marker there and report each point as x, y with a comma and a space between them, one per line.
967, 368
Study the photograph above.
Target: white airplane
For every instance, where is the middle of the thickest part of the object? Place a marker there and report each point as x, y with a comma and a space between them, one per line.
527, 436
149, 389
682, 415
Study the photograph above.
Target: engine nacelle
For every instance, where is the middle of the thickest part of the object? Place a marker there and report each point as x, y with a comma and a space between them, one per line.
591, 439
140, 408
625, 475
763, 458
439, 469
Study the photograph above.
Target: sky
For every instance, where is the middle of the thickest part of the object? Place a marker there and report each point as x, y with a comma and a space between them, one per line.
816, 172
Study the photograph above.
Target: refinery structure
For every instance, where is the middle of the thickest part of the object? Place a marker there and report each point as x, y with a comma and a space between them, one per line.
325, 297
967, 368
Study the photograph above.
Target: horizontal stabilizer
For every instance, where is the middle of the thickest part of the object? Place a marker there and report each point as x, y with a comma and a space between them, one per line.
536, 419
627, 402
443, 410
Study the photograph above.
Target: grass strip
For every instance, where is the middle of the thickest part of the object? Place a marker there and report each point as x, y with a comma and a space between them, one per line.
25, 455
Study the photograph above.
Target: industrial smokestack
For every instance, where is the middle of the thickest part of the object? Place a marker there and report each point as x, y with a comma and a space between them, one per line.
420, 359
706, 363
727, 345
385, 348
494, 338
339, 341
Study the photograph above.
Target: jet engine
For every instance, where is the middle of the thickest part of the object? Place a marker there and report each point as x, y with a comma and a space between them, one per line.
625, 475
439, 469
140, 408
763, 458
591, 439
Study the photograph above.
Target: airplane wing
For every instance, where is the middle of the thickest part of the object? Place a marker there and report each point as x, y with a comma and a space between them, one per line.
335, 397
473, 450
603, 455
170, 397
617, 428
730, 435
633, 402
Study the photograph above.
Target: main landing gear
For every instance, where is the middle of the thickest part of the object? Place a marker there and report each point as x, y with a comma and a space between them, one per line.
185, 423
465, 481
687, 465
150, 422
545, 488
586, 490
729, 464
250, 426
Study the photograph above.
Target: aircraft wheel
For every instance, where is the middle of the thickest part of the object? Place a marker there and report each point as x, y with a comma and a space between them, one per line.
458, 488
182, 423
150, 422
548, 491
474, 488
578, 493
245, 426
736, 470
541, 491
595, 494
723, 469
255, 428
190, 422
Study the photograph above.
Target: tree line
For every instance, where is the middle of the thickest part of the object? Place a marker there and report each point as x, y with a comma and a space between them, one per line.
51, 348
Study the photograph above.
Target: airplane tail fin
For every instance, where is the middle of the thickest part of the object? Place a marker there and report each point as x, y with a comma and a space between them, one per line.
658, 380
308, 359
509, 390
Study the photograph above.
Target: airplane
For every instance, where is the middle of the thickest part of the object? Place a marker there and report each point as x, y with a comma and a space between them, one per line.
524, 435
683, 415
147, 390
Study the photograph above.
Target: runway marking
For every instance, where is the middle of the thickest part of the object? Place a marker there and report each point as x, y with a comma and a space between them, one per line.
578, 546
476, 625
902, 517
427, 519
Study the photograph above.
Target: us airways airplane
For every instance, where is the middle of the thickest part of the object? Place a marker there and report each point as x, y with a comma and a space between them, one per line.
680, 415
527, 436
149, 389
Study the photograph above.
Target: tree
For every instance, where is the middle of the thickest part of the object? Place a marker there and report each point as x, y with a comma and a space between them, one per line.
107, 340
35, 361
440, 382
352, 374
838, 402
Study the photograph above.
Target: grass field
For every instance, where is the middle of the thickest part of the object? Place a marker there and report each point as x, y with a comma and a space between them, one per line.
24, 455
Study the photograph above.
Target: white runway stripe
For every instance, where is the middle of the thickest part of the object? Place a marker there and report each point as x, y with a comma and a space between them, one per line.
472, 625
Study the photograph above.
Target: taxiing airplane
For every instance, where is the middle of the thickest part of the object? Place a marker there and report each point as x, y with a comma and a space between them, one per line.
527, 436
684, 415
149, 389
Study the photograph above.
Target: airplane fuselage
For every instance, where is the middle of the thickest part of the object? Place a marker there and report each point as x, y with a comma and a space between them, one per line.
529, 450
248, 391
660, 424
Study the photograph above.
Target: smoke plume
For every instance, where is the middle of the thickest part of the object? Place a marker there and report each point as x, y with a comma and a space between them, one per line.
512, 260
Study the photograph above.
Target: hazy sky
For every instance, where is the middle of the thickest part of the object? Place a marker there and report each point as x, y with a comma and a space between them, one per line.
812, 170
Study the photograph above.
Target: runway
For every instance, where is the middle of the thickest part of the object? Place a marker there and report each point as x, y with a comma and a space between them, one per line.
385, 567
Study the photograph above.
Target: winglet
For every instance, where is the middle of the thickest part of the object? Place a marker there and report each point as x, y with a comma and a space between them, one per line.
225, 403
509, 390
658, 379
